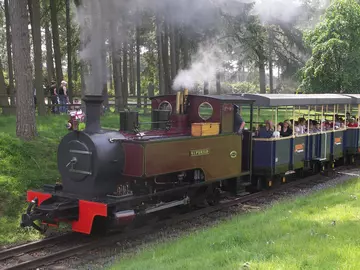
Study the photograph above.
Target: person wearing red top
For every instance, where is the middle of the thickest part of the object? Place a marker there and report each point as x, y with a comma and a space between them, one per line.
352, 123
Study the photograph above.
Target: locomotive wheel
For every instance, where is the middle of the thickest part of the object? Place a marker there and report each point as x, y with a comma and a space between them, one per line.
214, 198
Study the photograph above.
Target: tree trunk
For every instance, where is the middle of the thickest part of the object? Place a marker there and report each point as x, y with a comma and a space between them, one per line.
206, 88
3, 94
185, 50
160, 60
173, 52
177, 50
116, 60
69, 51
165, 57
125, 73
271, 45
49, 54
271, 76
262, 75
218, 83
25, 109
9, 55
105, 86
138, 71
132, 70
110, 72
36, 30
56, 41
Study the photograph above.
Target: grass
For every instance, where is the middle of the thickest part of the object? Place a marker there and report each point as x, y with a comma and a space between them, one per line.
25, 165
299, 234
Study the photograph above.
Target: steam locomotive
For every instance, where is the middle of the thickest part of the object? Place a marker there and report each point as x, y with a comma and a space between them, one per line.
190, 155
113, 176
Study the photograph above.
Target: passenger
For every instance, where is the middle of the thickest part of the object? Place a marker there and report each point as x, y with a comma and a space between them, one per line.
297, 128
276, 133
311, 126
317, 127
286, 131
352, 122
239, 123
302, 126
267, 131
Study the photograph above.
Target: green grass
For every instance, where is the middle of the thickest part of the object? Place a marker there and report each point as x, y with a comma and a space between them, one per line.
25, 165
295, 234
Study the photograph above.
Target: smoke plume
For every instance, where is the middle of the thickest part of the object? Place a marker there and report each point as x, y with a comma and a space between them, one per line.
108, 23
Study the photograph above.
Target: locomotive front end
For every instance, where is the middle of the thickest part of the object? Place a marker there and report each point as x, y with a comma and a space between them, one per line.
90, 164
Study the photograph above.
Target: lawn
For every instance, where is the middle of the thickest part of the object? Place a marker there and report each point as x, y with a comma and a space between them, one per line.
320, 231
25, 165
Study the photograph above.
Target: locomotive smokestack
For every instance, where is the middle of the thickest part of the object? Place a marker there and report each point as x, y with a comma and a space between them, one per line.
93, 106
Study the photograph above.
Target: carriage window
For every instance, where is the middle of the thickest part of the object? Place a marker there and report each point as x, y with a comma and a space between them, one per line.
205, 110
165, 106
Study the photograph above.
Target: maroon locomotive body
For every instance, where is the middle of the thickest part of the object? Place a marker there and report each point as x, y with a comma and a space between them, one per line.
190, 154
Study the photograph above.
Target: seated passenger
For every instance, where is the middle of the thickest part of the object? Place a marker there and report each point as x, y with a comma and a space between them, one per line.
267, 131
286, 131
276, 133
297, 128
311, 126
317, 127
302, 126
352, 122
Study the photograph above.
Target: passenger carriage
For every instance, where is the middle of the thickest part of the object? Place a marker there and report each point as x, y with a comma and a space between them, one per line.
352, 133
274, 159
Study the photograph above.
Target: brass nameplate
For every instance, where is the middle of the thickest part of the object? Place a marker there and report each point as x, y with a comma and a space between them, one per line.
200, 152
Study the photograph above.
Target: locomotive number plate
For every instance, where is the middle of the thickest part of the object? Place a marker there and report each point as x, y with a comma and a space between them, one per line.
199, 152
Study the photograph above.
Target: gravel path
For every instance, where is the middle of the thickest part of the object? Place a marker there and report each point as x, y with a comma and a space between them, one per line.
105, 257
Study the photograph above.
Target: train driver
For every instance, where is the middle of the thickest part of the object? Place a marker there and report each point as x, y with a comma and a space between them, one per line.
239, 123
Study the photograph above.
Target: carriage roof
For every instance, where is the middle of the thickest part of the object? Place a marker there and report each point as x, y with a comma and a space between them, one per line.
275, 100
220, 98
355, 98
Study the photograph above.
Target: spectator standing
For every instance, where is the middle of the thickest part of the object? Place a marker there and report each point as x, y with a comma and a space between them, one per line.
54, 97
63, 96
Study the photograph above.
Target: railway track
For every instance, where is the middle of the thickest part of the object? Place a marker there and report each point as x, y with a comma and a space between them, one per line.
33, 255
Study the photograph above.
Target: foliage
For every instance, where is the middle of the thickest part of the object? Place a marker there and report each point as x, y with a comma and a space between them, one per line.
244, 87
335, 42
314, 232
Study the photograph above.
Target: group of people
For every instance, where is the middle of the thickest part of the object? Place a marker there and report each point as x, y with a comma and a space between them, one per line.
59, 96
301, 126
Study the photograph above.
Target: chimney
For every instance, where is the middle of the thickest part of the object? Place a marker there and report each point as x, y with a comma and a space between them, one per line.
93, 106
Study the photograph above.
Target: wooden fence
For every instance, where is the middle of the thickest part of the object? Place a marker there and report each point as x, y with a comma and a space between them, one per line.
132, 103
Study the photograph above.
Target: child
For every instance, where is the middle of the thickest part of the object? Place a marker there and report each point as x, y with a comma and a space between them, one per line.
276, 133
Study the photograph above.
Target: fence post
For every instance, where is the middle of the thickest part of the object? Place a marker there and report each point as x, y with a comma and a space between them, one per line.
145, 104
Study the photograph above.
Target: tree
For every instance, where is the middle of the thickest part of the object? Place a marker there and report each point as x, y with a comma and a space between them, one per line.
56, 40
8, 46
34, 7
25, 107
334, 65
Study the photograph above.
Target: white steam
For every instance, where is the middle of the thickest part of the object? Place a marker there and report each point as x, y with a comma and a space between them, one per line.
105, 23
205, 65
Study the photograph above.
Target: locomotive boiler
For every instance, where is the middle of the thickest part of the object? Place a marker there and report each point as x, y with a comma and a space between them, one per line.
190, 155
